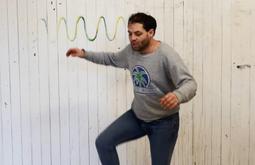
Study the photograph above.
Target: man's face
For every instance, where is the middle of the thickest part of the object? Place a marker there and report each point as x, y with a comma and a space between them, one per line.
139, 38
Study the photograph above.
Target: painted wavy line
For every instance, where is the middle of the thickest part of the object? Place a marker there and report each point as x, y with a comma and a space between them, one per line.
90, 38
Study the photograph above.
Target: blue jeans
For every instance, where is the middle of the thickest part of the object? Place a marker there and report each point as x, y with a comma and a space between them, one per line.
162, 136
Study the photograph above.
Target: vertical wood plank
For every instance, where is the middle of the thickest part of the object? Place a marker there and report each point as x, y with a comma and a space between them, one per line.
24, 83
112, 97
240, 82
198, 124
186, 113
226, 82
252, 87
73, 83
65, 79
101, 45
1, 127
168, 21
34, 82
83, 88
44, 89
53, 83
92, 83
14, 82
207, 82
6, 144
83, 91
178, 36
6, 87
216, 85
178, 17
178, 45
111, 72
158, 7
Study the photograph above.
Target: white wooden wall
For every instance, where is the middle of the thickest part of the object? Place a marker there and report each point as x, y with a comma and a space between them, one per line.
53, 107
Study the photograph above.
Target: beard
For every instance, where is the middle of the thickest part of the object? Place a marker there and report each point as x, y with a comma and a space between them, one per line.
140, 46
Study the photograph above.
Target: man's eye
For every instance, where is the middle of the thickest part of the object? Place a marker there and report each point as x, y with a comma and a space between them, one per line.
138, 34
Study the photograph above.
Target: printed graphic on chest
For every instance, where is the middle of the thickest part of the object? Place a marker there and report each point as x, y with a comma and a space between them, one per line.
140, 77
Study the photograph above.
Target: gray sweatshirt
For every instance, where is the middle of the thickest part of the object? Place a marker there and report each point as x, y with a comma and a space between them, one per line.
153, 75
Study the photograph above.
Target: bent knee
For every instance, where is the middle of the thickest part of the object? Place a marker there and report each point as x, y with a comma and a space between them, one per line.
99, 142
104, 142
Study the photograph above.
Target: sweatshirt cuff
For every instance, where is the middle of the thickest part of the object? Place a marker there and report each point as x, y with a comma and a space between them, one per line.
88, 55
179, 96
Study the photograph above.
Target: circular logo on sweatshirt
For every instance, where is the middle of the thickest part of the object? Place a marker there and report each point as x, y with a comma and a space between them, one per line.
140, 77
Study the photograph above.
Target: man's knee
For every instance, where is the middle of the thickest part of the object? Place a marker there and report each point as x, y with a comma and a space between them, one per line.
103, 142
99, 142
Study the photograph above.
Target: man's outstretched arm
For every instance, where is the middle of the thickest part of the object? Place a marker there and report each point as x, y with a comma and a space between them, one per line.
117, 59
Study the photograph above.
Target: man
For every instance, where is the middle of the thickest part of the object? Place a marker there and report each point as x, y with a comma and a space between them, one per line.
161, 83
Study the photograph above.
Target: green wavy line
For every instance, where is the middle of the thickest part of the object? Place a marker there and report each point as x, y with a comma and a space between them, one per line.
93, 38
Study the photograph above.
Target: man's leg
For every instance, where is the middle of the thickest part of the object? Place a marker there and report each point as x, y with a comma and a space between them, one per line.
125, 128
162, 138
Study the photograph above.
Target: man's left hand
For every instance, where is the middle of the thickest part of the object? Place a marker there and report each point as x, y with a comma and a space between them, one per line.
169, 101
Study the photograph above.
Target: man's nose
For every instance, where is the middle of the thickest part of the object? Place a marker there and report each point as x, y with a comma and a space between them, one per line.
133, 37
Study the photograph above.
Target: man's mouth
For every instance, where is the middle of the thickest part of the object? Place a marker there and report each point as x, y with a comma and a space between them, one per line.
134, 44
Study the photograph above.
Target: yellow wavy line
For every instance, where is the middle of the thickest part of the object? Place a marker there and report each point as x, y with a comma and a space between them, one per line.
73, 37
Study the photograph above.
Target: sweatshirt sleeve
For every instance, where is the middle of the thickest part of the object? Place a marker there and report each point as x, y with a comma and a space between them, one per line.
185, 84
116, 59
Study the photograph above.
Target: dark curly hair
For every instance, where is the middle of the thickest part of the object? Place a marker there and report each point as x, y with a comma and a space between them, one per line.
148, 21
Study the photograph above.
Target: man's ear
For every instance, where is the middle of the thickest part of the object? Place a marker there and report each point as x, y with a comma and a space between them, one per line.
151, 32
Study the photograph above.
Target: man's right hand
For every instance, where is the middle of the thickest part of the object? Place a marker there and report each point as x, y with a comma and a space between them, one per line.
75, 52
